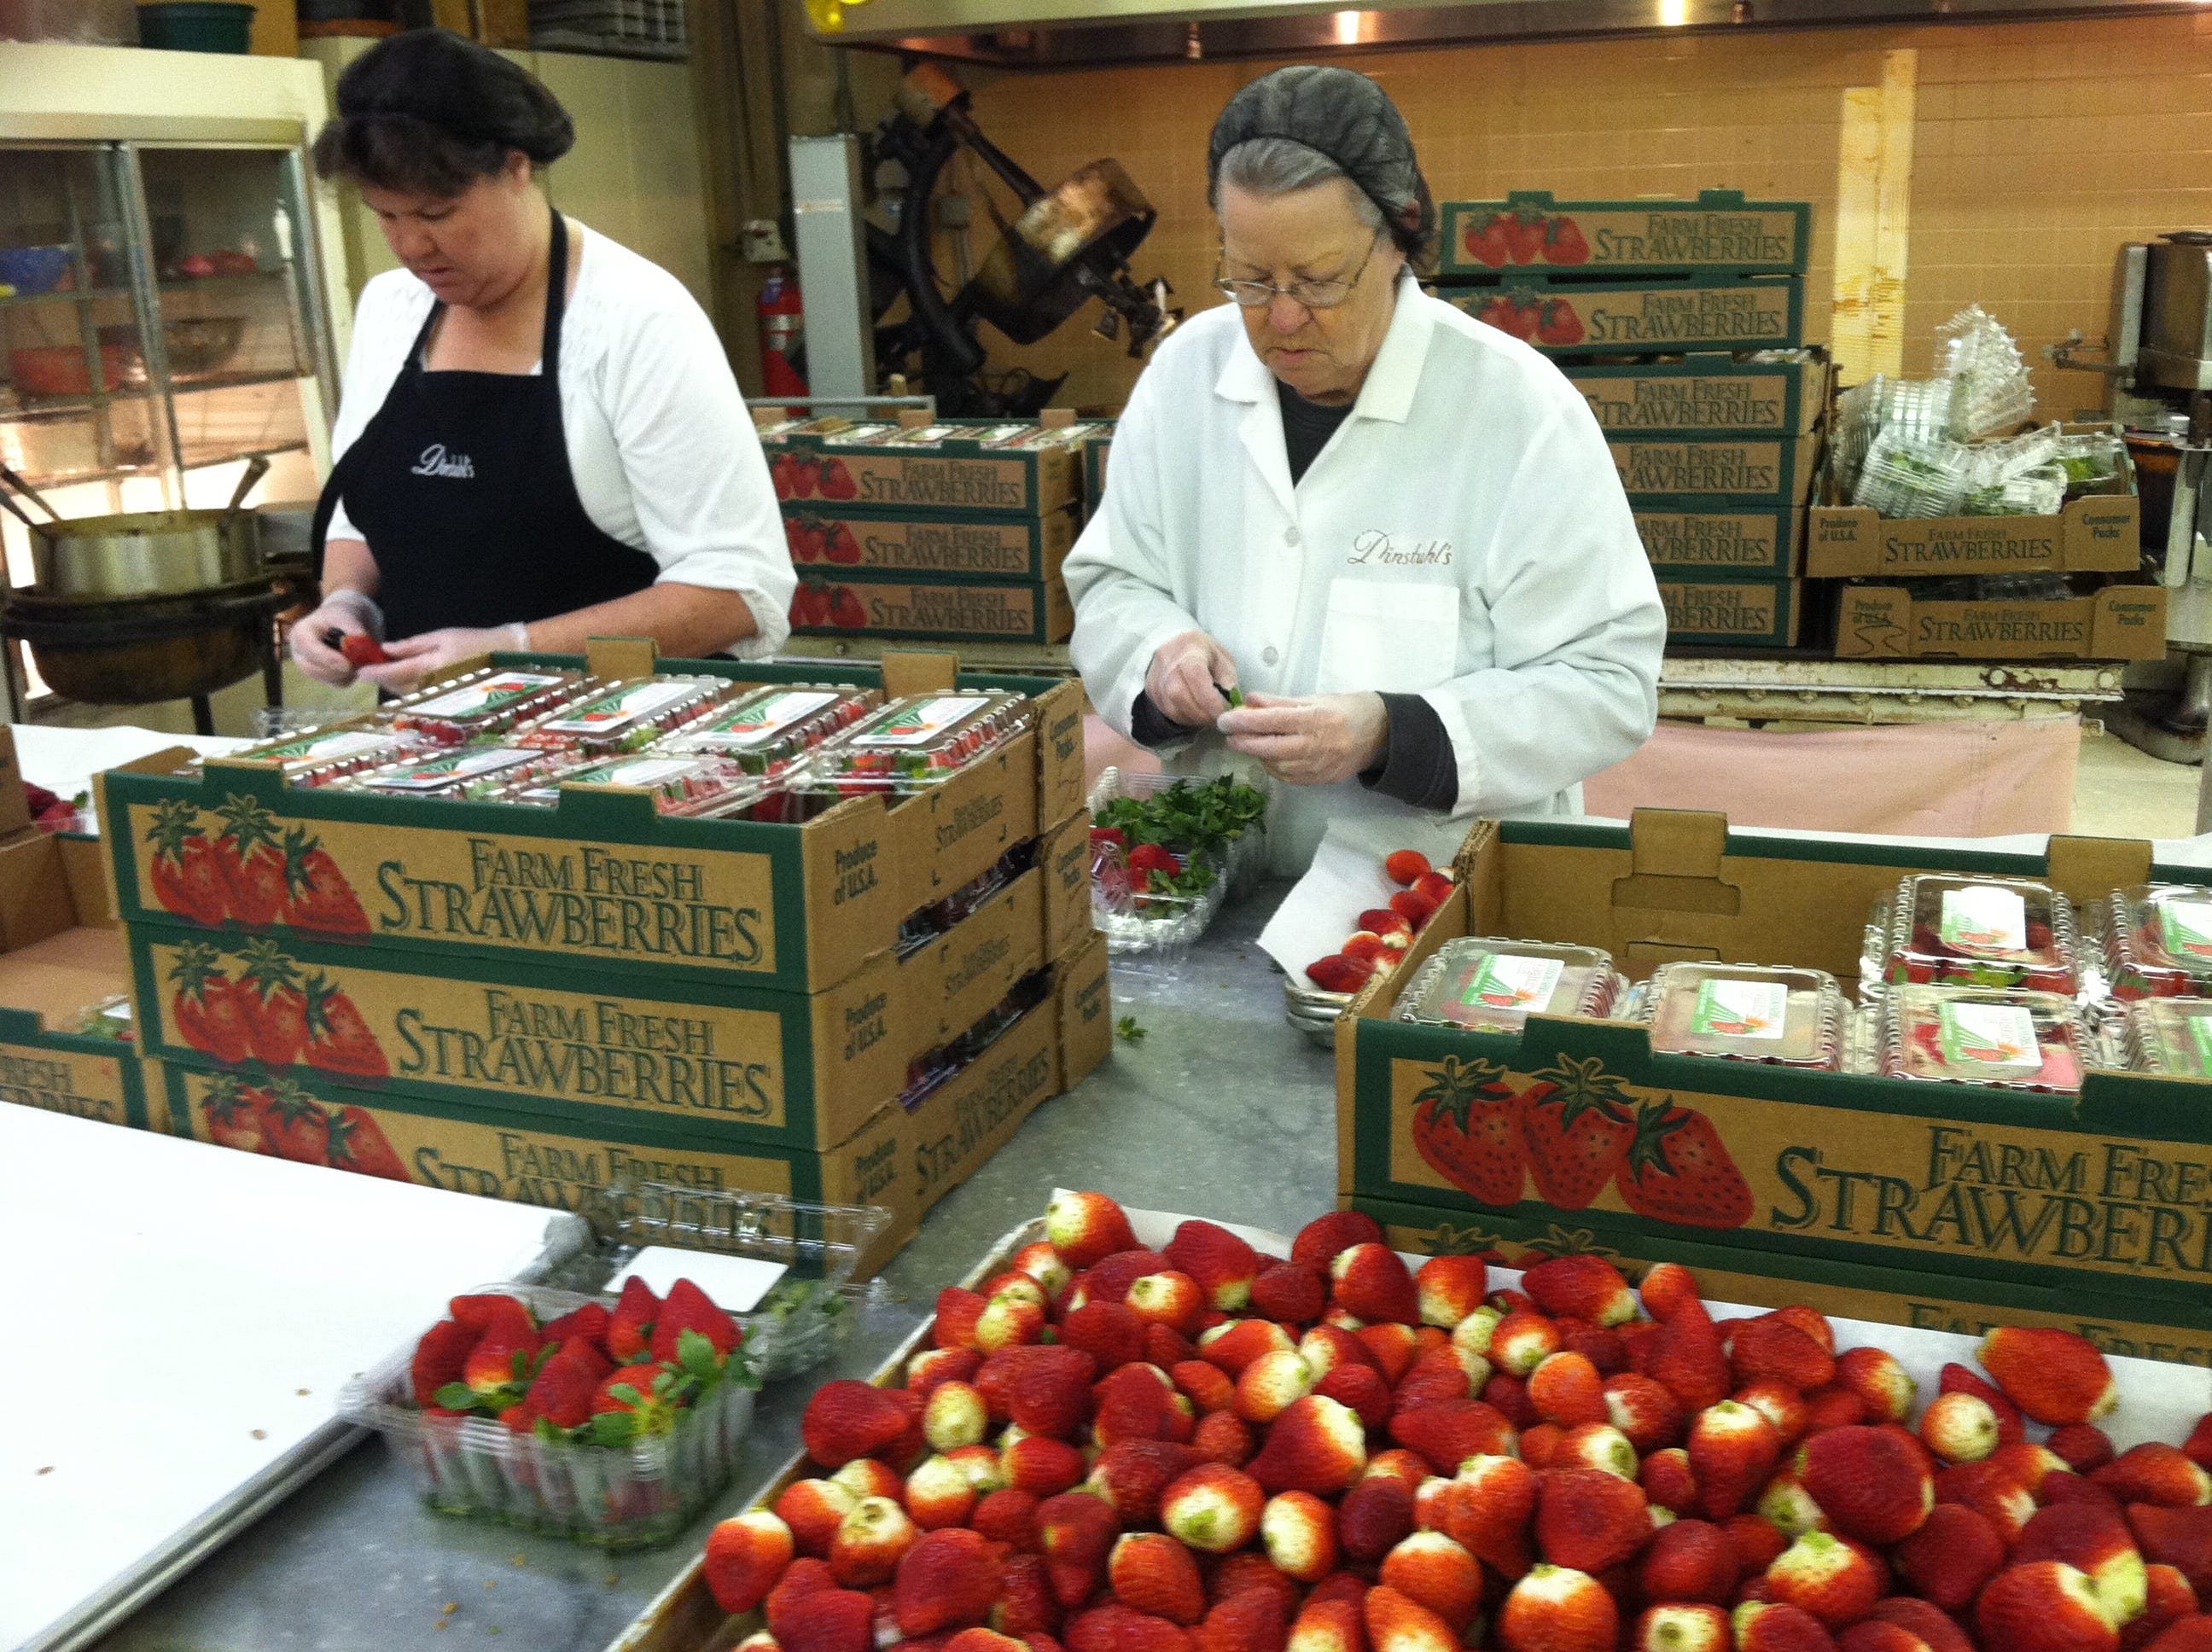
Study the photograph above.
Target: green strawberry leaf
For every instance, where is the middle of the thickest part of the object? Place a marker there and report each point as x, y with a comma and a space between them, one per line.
613, 1428
696, 1356
456, 1396
628, 1394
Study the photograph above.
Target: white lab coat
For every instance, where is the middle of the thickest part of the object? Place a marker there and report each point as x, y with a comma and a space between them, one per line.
1462, 537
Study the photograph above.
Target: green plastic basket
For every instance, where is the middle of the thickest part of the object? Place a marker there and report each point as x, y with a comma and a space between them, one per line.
196, 25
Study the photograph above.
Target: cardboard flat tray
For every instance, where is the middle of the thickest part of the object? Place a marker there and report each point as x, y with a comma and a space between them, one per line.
1627, 316
1730, 541
1717, 229
1737, 613
2102, 533
2121, 622
1707, 394
846, 603
846, 543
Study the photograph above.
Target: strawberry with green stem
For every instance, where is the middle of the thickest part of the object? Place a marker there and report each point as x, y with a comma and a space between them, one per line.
299, 1129
338, 1039
355, 1142
186, 878
1486, 242
1524, 236
1576, 1128
1467, 1127
234, 1116
317, 895
1564, 242
206, 1007
1677, 1169
268, 991
251, 863
638, 1401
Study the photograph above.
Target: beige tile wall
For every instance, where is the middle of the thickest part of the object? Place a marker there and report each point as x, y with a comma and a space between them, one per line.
2039, 147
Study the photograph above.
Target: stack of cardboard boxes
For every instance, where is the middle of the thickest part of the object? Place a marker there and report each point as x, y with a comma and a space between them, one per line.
530, 1003
1682, 323
945, 533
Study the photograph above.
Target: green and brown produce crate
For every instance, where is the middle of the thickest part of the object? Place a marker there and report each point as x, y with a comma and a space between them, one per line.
1715, 470
1713, 393
603, 881
2121, 622
780, 1069
1753, 542
2100, 533
932, 611
904, 1160
1007, 467
1637, 316
841, 544
2101, 1203
1095, 455
1730, 613
1718, 229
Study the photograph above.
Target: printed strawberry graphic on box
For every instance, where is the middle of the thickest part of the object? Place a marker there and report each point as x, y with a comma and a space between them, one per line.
338, 1039
251, 863
1485, 243
186, 876
206, 1007
1677, 1170
1563, 242
1466, 1124
276, 1011
1577, 1123
318, 896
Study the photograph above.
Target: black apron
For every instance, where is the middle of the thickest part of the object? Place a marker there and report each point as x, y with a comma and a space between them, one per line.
460, 484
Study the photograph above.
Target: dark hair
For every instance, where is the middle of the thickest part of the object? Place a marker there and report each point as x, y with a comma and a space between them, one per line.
1350, 129
429, 112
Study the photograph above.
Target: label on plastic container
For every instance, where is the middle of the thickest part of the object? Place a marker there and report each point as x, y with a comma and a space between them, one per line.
2001, 1036
488, 696
646, 771
629, 705
1513, 983
764, 722
326, 747
1985, 917
918, 725
2188, 927
1739, 1008
438, 773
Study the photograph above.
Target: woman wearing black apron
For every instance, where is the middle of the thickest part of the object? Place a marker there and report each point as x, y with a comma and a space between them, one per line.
541, 441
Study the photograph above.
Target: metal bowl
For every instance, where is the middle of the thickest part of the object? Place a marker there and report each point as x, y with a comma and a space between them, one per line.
145, 554
137, 651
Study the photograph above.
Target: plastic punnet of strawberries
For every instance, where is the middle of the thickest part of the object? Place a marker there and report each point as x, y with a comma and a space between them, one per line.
1205, 1449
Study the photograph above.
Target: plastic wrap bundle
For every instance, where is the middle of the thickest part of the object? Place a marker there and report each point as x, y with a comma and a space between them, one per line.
2020, 477
1990, 389
1907, 474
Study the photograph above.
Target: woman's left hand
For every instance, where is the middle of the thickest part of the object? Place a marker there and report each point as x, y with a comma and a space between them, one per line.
1316, 740
413, 659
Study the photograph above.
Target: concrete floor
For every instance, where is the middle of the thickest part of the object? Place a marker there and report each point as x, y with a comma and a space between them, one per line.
2119, 791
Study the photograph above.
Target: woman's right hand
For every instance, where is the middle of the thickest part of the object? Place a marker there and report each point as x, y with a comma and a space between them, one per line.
1187, 677
348, 613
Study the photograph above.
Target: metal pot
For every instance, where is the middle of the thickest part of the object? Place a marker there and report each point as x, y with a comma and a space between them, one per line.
139, 650
145, 554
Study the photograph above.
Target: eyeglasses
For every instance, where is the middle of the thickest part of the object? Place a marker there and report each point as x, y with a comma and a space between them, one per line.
1308, 294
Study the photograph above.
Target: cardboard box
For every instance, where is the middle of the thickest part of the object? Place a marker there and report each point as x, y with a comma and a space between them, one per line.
2122, 621
1709, 394
1094, 473
603, 880
1010, 467
2117, 1322
1718, 230
1717, 469
905, 1160
2098, 534
1567, 318
1029, 612
803, 1070
850, 544
1985, 1189
1732, 613
1750, 541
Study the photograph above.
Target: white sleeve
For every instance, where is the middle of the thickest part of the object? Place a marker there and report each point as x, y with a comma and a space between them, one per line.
1121, 574
381, 333
1578, 624
698, 480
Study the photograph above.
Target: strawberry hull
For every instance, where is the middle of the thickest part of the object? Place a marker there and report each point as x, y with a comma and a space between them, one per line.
1718, 229
2077, 1198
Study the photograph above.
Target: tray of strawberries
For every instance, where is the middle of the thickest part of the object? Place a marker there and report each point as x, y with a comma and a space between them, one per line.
1166, 852
1127, 1432
606, 1421
1970, 1034
1379, 939
1974, 932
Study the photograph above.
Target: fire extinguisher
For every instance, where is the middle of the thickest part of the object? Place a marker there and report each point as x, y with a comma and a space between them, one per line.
782, 329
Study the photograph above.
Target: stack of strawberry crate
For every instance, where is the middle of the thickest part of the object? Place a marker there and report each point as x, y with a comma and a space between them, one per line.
1682, 323
940, 533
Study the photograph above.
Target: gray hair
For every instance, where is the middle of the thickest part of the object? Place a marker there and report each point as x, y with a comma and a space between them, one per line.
1283, 165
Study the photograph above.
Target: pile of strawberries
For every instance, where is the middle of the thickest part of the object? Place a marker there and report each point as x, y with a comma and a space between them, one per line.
1384, 933
1204, 1449
592, 1376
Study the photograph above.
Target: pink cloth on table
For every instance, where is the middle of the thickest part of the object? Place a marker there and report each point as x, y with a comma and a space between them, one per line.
1103, 748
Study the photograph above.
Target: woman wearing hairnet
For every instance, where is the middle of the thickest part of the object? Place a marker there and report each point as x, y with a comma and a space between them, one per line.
1396, 529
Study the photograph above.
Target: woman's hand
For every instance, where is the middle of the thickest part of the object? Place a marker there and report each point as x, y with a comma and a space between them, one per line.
1187, 677
412, 659
350, 614
1313, 741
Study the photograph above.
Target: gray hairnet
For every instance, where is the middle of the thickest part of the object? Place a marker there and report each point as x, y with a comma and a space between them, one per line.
1344, 116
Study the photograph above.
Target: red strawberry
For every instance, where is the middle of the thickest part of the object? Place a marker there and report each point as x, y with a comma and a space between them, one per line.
1686, 1357
1558, 1609
1224, 1265
1289, 1292
1952, 1554
439, 1357
1375, 1517
1467, 1127
2156, 1473
847, 1420
1372, 1282
1485, 242
1677, 1170
1050, 1394
946, 1580
339, 1037
2044, 1606
1566, 1390
1580, 1287
1872, 1482
1086, 1228
1042, 1467
1212, 1509
1131, 1474
1076, 1531
1339, 973
1397, 1623
1299, 1532
1691, 1561
1957, 1379
824, 1620
185, 876
1559, 326
1319, 1241
1563, 242
1589, 1521
2167, 1599
1025, 1604
1836, 1579
1108, 1331
317, 895
1432, 1570
870, 1541
1450, 1431
1733, 1448
2095, 1542
1152, 1573
1252, 1620
1115, 1628
1876, 1376
249, 862
1772, 1349
354, 1141
1317, 1445
2179, 1537
2084, 1447
629, 1328
1670, 1290
687, 1307
1764, 1627
206, 1007
745, 1555
2055, 1377
1937, 1631
564, 1389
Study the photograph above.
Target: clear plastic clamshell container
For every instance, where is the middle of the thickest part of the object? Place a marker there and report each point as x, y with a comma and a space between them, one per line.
1981, 1036
680, 785
1976, 931
1494, 986
623, 716
921, 740
467, 772
632, 1496
2170, 1035
321, 756
2158, 941
1747, 1013
484, 704
769, 730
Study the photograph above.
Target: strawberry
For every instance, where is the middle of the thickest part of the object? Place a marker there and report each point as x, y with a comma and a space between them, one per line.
2095, 1542
1762, 1626
1432, 1570
847, 1420
1558, 1609
1676, 1170
1043, 1263
2055, 1377
1770, 1349
1485, 242
824, 1620
1251, 1620
1414, 907
1362, 1388
1690, 1561
939, 1494
1781, 1404
1521, 1341
1670, 1290
1318, 1242
236, 1116
1331, 1625
1558, 325
1448, 1433
1317, 1445
1338, 973
439, 1357
1957, 1379
1396, 1623
1757, 1544
1154, 1574
1566, 1390
354, 1141
1563, 242
1042, 1467
1288, 1292
2084, 1448
745, 1555
1171, 1299
317, 895
945, 1580
2044, 1606
206, 1007
186, 878
1959, 1428
1937, 1632
2179, 1537
1372, 1281
1049, 1393
250, 864
1008, 1516
1387, 922
1223, 1265
1212, 1509
1375, 1517
1596, 1445
629, 1329
1025, 1604
1450, 1288
1076, 1531
1872, 1484
1667, 1481
1467, 1128
297, 1126
975, 1638
1086, 1228
1886, 1387
1580, 1287
1833, 1578
1108, 1331
1131, 1474
1436, 886
2167, 1599
1299, 1532
1685, 1356
1392, 1348
1486, 1509
2156, 1473
870, 1541
1678, 1628
1235, 1346
954, 1415
635, 1402
1954, 1553
1589, 1521
958, 1312
338, 1038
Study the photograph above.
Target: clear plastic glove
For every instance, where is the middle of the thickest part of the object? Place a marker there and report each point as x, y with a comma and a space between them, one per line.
413, 659
1316, 740
1186, 679
350, 614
